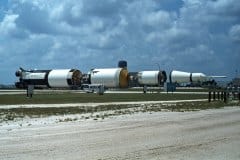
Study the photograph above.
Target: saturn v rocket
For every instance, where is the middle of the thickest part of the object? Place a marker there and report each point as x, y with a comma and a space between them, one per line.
109, 77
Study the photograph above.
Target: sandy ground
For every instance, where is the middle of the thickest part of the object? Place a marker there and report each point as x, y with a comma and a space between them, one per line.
209, 134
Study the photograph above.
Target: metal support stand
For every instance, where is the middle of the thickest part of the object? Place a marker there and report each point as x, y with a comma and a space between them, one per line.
209, 96
144, 89
225, 97
239, 96
30, 90
101, 90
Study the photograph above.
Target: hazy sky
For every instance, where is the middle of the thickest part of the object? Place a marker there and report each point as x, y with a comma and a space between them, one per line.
188, 35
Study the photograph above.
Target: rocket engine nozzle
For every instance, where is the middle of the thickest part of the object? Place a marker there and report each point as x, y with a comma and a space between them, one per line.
18, 73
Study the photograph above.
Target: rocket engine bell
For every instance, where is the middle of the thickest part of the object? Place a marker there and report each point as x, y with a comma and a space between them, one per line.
61, 78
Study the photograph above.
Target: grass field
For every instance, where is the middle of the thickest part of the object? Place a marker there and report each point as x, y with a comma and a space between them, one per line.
61, 98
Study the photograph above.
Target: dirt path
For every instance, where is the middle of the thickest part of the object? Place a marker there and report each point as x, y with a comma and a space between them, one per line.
210, 134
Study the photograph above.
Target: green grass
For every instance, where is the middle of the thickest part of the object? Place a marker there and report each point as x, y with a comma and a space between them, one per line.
89, 98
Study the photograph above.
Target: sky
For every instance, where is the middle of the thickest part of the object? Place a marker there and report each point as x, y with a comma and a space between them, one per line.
186, 35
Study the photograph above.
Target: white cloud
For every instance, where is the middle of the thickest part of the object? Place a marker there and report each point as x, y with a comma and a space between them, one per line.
56, 12
156, 19
235, 33
8, 25
90, 33
76, 10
